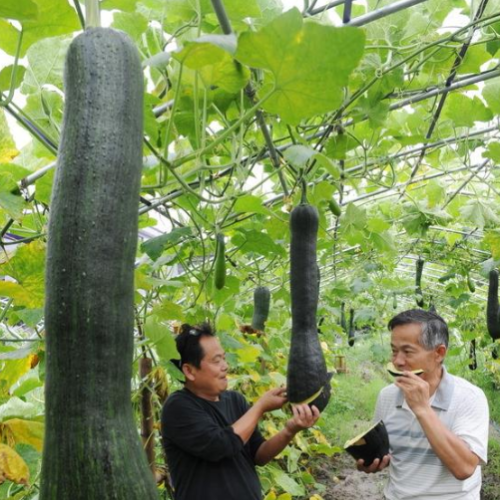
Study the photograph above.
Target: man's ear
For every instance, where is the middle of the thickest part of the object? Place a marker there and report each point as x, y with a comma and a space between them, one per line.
189, 371
440, 352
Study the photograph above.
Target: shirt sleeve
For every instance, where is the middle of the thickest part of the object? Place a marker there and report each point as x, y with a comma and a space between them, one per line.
472, 424
191, 427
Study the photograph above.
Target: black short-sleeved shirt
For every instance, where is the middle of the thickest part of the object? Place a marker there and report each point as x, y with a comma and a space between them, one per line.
206, 459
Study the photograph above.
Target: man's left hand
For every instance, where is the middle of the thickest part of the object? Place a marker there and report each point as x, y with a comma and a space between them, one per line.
304, 416
416, 391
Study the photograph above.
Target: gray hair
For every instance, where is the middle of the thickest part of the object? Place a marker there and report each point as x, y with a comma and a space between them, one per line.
434, 328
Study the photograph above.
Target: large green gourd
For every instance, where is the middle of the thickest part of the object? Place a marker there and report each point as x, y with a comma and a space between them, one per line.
307, 373
492, 308
92, 449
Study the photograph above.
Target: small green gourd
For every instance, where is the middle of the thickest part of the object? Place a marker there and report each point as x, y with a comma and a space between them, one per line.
220, 262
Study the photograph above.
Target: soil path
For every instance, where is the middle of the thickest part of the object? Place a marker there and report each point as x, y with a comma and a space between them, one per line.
343, 482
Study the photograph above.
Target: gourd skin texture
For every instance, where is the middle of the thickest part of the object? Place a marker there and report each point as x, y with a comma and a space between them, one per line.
220, 262
418, 282
91, 447
492, 309
261, 303
350, 335
306, 364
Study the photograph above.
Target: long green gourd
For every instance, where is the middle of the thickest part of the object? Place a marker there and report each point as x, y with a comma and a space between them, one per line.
418, 282
307, 378
92, 449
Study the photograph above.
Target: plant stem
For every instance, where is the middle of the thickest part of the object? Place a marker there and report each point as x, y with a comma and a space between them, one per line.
92, 14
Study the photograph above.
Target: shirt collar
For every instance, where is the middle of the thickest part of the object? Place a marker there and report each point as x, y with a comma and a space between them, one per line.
442, 396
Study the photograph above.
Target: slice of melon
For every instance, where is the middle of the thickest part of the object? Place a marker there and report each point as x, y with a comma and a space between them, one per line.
369, 445
396, 373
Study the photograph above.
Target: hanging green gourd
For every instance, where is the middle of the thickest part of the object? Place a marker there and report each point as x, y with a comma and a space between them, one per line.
334, 207
470, 284
351, 333
220, 262
493, 310
92, 448
307, 378
472, 355
394, 301
261, 304
343, 322
418, 282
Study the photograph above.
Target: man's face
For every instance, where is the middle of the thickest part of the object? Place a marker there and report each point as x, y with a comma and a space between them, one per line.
210, 379
408, 354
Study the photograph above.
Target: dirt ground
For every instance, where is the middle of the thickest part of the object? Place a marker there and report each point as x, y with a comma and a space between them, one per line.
343, 482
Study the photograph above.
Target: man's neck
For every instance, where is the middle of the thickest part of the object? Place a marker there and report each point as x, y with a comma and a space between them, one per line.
200, 393
435, 380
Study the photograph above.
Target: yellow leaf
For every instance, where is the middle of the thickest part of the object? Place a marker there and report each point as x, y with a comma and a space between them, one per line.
26, 431
12, 370
7, 155
270, 496
12, 466
285, 496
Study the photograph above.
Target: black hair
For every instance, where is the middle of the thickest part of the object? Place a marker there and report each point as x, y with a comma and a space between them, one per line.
434, 327
188, 343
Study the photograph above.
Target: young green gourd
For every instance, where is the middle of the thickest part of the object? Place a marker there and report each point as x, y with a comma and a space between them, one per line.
220, 262
92, 448
261, 304
418, 282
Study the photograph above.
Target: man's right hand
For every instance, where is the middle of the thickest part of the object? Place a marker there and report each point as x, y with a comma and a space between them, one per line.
273, 399
376, 466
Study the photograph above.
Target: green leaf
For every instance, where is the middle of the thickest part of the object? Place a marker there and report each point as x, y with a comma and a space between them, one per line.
169, 310
155, 246
250, 240
493, 152
9, 37
162, 339
305, 78
322, 191
123, 5
6, 77
46, 64
353, 219
464, 111
21, 10
134, 24
492, 241
8, 149
491, 94
480, 212
250, 203
287, 483
16, 408
299, 155
10, 197
338, 146
44, 187
56, 17
475, 57
31, 317
237, 10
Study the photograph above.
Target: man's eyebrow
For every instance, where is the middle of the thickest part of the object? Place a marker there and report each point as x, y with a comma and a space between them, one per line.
404, 346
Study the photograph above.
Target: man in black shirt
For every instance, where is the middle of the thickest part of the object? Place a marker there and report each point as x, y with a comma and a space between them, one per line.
210, 435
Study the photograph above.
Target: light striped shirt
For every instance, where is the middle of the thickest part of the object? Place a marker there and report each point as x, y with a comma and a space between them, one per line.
415, 471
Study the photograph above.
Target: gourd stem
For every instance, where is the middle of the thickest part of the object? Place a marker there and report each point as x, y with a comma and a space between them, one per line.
92, 14
303, 199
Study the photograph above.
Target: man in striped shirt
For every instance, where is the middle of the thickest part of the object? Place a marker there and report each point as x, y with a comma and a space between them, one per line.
437, 423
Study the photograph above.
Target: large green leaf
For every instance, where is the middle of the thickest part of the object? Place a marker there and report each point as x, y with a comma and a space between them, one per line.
464, 111
7, 145
155, 246
9, 37
21, 10
46, 64
56, 17
305, 79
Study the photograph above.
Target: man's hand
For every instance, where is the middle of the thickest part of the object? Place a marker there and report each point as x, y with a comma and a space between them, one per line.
376, 466
416, 391
272, 400
304, 416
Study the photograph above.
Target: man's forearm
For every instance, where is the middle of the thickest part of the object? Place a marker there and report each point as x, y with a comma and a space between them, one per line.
450, 449
272, 447
245, 426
